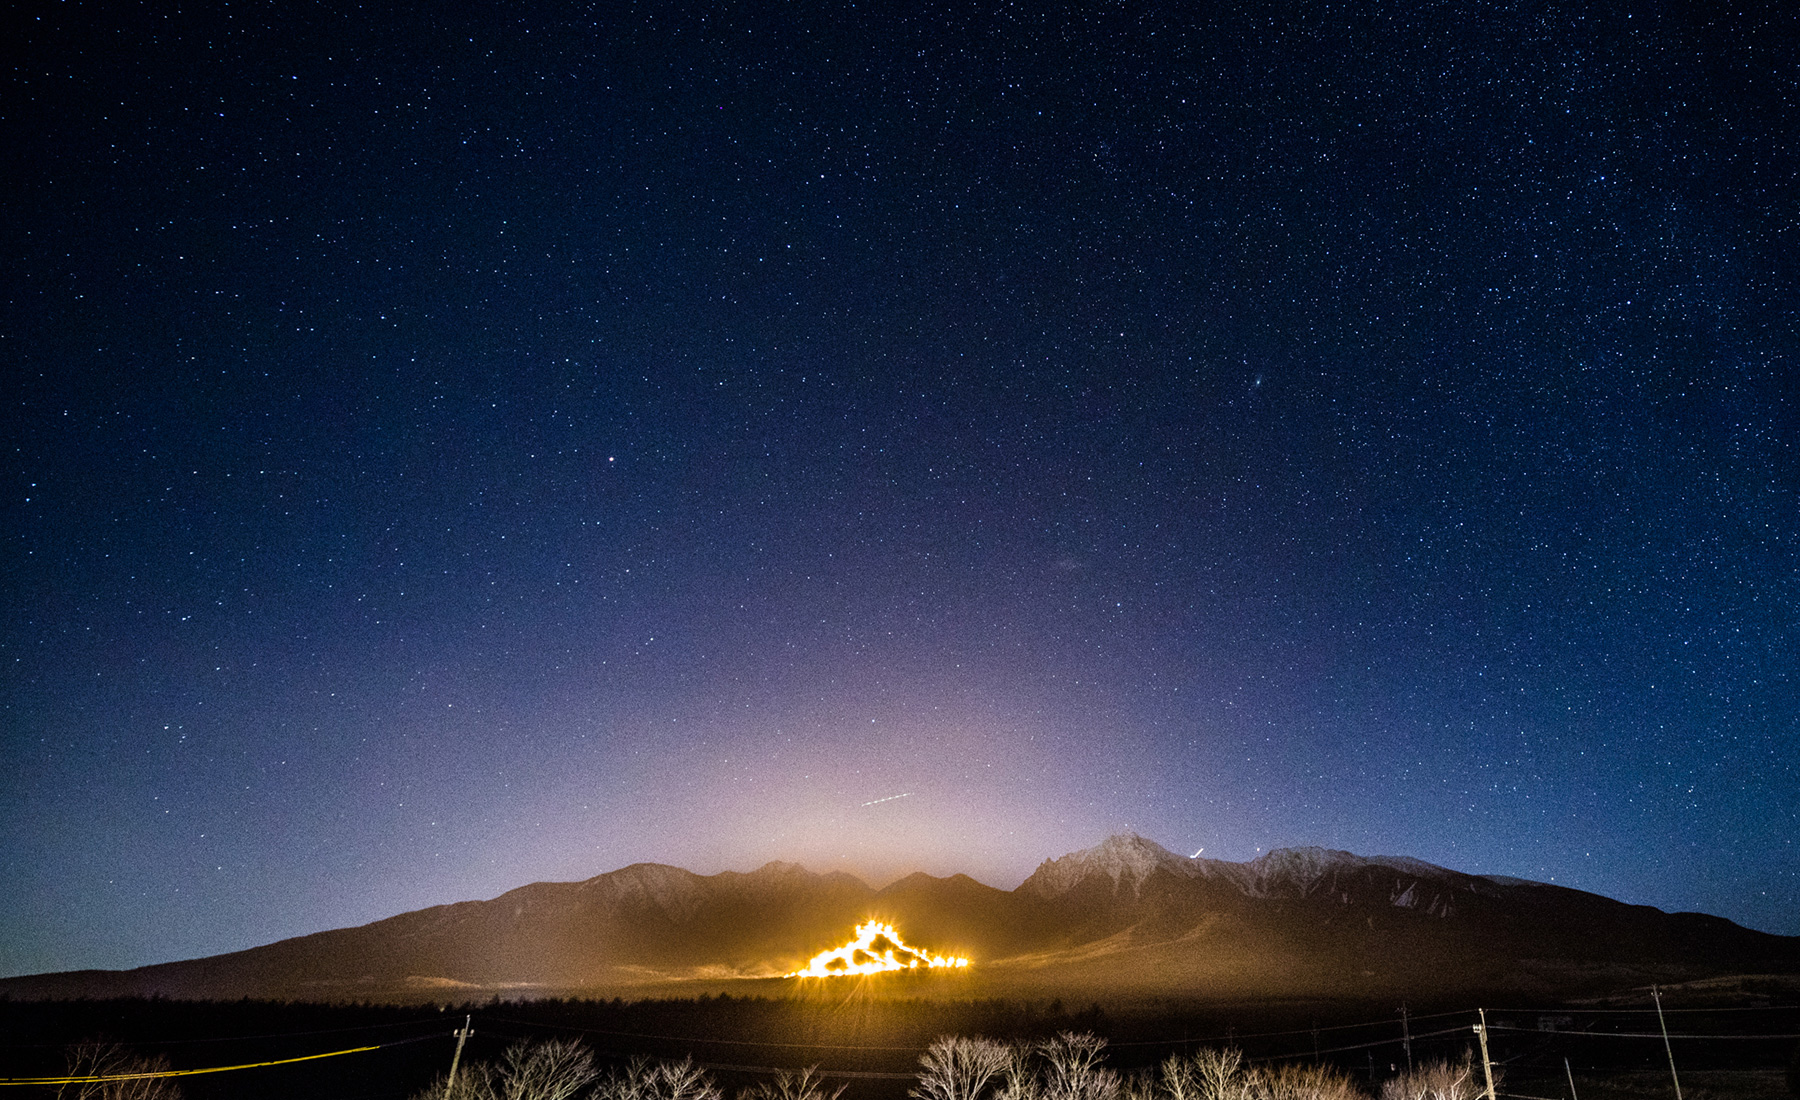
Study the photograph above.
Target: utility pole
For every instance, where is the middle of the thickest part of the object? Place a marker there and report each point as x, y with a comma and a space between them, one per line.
1656, 995
461, 1038
1487, 1067
1406, 1037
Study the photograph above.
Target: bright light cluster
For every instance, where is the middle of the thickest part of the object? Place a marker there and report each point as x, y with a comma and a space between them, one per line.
876, 949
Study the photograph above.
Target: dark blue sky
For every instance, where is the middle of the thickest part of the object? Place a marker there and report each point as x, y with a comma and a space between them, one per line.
447, 452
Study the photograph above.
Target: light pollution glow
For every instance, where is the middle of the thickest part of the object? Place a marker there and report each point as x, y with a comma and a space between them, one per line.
877, 949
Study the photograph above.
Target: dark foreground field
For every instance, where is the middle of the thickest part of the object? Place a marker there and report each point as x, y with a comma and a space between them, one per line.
1730, 1040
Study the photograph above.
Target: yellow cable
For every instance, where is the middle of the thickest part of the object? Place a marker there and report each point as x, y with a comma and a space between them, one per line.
177, 1072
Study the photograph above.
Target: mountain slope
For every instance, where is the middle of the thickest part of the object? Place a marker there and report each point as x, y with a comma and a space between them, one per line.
1320, 920
610, 930
1125, 917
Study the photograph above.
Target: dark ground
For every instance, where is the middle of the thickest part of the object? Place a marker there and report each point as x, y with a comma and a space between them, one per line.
873, 1043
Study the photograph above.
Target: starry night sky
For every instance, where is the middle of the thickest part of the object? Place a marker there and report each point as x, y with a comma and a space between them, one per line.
445, 452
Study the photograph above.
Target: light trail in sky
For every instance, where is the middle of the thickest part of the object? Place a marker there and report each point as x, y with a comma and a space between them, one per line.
889, 798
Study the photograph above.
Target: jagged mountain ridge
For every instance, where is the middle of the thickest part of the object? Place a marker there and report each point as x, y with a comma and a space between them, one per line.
1130, 860
1125, 916
1383, 918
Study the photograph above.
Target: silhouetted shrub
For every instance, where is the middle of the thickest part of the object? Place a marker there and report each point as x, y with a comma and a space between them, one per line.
555, 1070
1072, 1069
1437, 1081
804, 1085
955, 1068
646, 1080
100, 1058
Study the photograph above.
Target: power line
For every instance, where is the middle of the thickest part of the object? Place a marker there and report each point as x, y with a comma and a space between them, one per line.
153, 1074
693, 1039
1649, 1011
246, 1038
1357, 1046
532, 1025
1650, 1034
1236, 1035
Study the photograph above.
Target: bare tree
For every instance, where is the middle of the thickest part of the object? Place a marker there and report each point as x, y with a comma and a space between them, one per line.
1296, 1082
1222, 1075
100, 1058
1436, 1081
554, 1070
803, 1085
954, 1068
683, 1080
1176, 1079
474, 1081
634, 1082
1019, 1079
1207, 1074
1214, 1074
643, 1079
1142, 1085
1072, 1069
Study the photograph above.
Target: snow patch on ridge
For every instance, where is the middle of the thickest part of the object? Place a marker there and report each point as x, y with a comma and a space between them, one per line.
1127, 859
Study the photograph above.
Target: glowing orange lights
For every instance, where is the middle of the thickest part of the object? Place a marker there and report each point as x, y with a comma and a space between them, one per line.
877, 949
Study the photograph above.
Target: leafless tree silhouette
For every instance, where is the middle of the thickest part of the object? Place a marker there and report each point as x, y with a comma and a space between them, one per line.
1067, 1067
803, 1085
1019, 1078
1293, 1082
1207, 1074
954, 1068
646, 1080
555, 1070
1436, 1081
1072, 1069
99, 1058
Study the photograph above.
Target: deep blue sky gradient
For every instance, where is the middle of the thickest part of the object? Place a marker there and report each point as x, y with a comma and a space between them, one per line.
448, 451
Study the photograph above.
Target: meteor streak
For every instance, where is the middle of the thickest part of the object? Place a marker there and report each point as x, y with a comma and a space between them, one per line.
889, 798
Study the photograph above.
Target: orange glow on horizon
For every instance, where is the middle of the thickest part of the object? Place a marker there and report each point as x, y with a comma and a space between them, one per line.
877, 949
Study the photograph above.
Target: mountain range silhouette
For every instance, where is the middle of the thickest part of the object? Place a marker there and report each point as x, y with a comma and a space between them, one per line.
1127, 918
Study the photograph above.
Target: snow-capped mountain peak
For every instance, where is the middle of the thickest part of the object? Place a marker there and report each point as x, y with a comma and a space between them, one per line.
1129, 861
1126, 858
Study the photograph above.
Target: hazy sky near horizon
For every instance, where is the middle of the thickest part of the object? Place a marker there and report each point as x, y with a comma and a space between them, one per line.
447, 451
